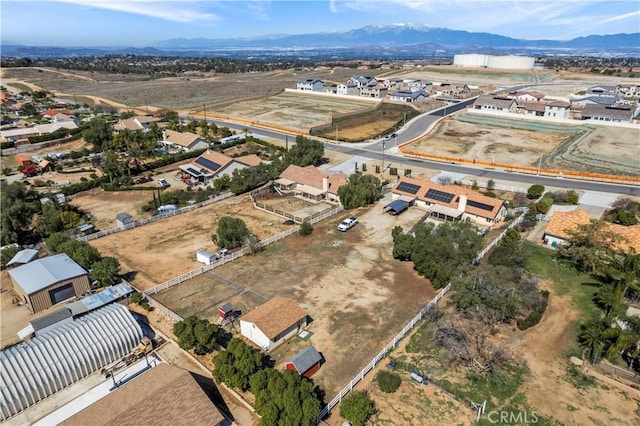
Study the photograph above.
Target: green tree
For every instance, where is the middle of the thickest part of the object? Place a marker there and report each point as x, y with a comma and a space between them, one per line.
52, 219
222, 183
82, 253
237, 364
56, 240
388, 382
69, 219
491, 185
402, 244
18, 204
196, 333
474, 185
360, 190
357, 407
535, 191
305, 152
98, 133
106, 271
572, 197
306, 229
7, 254
231, 232
591, 337
511, 237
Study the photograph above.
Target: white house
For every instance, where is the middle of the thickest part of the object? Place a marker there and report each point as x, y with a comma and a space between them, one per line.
628, 90
273, 322
310, 85
184, 141
362, 81
420, 85
140, 122
374, 91
557, 109
495, 103
348, 89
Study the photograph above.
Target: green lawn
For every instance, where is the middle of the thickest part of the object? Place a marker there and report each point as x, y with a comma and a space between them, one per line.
566, 280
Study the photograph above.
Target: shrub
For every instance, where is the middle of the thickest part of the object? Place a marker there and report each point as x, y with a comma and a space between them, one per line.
306, 229
357, 407
388, 382
535, 191
536, 315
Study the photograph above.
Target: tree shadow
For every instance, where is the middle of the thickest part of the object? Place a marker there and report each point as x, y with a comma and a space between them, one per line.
213, 393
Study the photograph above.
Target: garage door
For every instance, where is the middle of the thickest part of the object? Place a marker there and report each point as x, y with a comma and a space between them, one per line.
61, 294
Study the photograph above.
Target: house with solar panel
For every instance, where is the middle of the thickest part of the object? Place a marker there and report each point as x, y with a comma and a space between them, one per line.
448, 202
212, 165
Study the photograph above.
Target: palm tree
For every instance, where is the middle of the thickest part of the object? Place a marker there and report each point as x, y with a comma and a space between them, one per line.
591, 337
607, 299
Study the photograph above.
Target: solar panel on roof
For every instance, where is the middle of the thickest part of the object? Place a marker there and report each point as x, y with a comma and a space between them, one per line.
444, 197
211, 165
408, 187
193, 171
482, 206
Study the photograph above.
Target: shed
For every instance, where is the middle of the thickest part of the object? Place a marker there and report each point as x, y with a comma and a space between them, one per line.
48, 281
306, 362
225, 311
87, 228
23, 256
206, 257
23, 160
271, 323
124, 219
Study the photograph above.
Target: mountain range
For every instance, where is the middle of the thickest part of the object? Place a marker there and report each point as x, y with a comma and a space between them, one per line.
380, 39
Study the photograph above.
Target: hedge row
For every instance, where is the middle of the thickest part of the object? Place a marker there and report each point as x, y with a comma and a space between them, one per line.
83, 186
536, 315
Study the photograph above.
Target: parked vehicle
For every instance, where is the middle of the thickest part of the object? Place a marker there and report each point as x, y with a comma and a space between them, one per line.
347, 224
163, 183
143, 179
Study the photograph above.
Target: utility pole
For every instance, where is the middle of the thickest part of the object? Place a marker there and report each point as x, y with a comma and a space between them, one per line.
336, 132
382, 168
539, 164
286, 142
204, 110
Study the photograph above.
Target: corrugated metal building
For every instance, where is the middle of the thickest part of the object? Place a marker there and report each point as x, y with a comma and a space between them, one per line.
63, 353
48, 281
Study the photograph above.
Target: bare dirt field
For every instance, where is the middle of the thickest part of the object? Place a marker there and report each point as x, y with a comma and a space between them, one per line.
357, 296
105, 205
183, 92
293, 110
164, 249
520, 142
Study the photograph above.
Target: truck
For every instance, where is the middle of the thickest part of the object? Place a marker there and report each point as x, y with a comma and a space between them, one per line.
347, 224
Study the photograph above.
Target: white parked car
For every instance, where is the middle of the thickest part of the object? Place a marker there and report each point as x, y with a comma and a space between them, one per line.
163, 183
347, 224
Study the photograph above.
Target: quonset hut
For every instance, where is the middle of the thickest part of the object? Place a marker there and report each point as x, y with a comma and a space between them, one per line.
63, 354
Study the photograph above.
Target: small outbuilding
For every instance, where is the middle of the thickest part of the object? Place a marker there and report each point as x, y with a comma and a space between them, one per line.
167, 208
306, 362
396, 207
22, 257
124, 219
206, 257
273, 322
225, 311
48, 281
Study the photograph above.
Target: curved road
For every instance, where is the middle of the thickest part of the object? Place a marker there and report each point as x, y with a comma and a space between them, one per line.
419, 126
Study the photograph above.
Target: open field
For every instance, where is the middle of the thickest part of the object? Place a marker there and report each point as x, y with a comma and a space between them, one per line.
170, 92
164, 249
357, 296
293, 110
592, 148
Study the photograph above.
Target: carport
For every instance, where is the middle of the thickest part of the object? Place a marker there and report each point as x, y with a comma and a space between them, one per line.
396, 207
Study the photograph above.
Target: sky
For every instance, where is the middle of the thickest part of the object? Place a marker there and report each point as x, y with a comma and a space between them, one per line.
140, 23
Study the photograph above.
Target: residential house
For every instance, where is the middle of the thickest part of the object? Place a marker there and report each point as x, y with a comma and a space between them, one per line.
606, 113
409, 96
532, 96
310, 183
351, 89
557, 109
374, 91
393, 83
331, 88
134, 124
533, 109
45, 282
563, 224
273, 322
162, 395
306, 362
420, 85
310, 85
22, 135
601, 91
362, 81
184, 141
449, 202
50, 113
628, 91
495, 103
212, 165
454, 90
595, 100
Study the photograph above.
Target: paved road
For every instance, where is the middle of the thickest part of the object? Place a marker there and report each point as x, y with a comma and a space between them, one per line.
420, 125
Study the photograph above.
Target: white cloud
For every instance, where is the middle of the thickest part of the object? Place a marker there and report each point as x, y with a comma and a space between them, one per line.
620, 17
332, 6
183, 11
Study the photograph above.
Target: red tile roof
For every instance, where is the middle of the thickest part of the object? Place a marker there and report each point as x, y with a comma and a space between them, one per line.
425, 185
53, 112
311, 176
563, 224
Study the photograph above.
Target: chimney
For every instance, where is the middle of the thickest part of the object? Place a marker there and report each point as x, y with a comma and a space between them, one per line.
325, 184
164, 135
462, 203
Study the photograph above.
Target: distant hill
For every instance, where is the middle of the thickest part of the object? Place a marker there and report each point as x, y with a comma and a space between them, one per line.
381, 40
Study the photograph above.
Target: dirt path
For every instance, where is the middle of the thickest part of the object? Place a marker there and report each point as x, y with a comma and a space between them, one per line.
547, 390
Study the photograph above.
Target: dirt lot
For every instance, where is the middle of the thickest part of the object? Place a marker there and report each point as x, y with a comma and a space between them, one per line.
166, 248
521, 142
357, 296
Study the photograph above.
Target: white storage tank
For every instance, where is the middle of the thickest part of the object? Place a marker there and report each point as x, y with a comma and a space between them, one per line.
470, 60
511, 62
